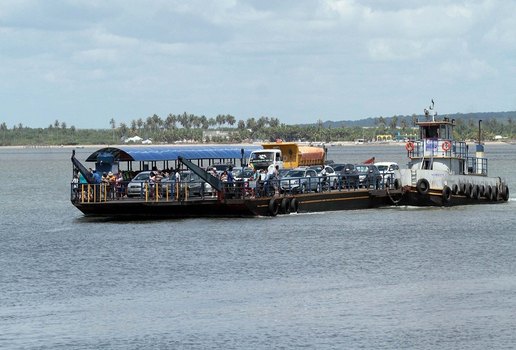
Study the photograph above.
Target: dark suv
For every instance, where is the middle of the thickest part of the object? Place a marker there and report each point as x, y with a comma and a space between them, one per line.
348, 175
369, 175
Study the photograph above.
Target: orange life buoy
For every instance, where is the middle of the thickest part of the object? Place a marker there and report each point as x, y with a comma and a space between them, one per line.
446, 145
409, 146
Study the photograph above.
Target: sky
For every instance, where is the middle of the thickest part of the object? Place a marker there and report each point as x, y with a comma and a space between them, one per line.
85, 62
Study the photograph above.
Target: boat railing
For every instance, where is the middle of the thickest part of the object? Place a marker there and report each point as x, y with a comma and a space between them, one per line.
199, 190
477, 165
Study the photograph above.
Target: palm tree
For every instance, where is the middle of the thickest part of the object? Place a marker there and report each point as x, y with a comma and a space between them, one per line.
170, 121
204, 122
122, 129
394, 122
220, 119
230, 120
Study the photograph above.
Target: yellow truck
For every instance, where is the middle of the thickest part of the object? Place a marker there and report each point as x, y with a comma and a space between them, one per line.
288, 155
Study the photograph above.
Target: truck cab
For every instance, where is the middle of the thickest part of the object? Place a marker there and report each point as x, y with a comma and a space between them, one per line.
262, 159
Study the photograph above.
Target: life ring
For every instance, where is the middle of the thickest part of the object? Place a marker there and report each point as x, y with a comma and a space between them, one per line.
273, 207
285, 206
446, 145
409, 146
446, 195
422, 186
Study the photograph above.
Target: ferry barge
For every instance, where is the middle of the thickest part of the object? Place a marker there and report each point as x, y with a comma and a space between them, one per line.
238, 199
443, 172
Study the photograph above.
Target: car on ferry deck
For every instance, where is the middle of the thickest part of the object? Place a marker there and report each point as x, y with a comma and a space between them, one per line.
369, 176
300, 180
347, 174
331, 176
244, 173
390, 172
136, 187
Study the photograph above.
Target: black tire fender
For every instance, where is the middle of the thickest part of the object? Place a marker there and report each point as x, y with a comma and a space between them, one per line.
505, 195
446, 195
294, 205
422, 186
285, 205
473, 191
476, 192
273, 207
468, 190
463, 188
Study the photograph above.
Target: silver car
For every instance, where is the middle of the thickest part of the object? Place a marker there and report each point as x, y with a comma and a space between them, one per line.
300, 180
136, 187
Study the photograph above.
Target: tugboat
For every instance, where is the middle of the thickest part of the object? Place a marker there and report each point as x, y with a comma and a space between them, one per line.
441, 171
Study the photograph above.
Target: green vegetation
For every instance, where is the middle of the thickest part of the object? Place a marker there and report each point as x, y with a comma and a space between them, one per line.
226, 129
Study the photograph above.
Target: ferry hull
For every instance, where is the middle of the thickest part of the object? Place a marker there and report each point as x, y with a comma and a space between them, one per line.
411, 197
247, 207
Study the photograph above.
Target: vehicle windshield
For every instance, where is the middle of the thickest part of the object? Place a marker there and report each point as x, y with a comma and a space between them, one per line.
383, 167
295, 173
141, 176
260, 156
190, 177
362, 168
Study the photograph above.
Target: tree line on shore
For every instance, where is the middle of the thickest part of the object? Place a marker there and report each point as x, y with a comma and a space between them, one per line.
227, 129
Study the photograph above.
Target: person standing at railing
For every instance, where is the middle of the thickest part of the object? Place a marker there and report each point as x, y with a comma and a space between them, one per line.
75, 187
97, 179
177, 183
112, 184
119, 185
104, 186
152, 183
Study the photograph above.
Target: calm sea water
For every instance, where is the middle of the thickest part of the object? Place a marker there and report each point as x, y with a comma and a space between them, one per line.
391, 278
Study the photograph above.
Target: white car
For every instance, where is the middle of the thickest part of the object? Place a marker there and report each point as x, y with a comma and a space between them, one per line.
390, 172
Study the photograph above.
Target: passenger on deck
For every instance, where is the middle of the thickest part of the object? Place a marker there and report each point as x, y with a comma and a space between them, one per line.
177, 185
119, 184
97, 179
153, 179
224, 176
112, 184
230, 175
104, 185
75, 186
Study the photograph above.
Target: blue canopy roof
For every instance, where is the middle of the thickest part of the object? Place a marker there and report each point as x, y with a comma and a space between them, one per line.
163, 153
